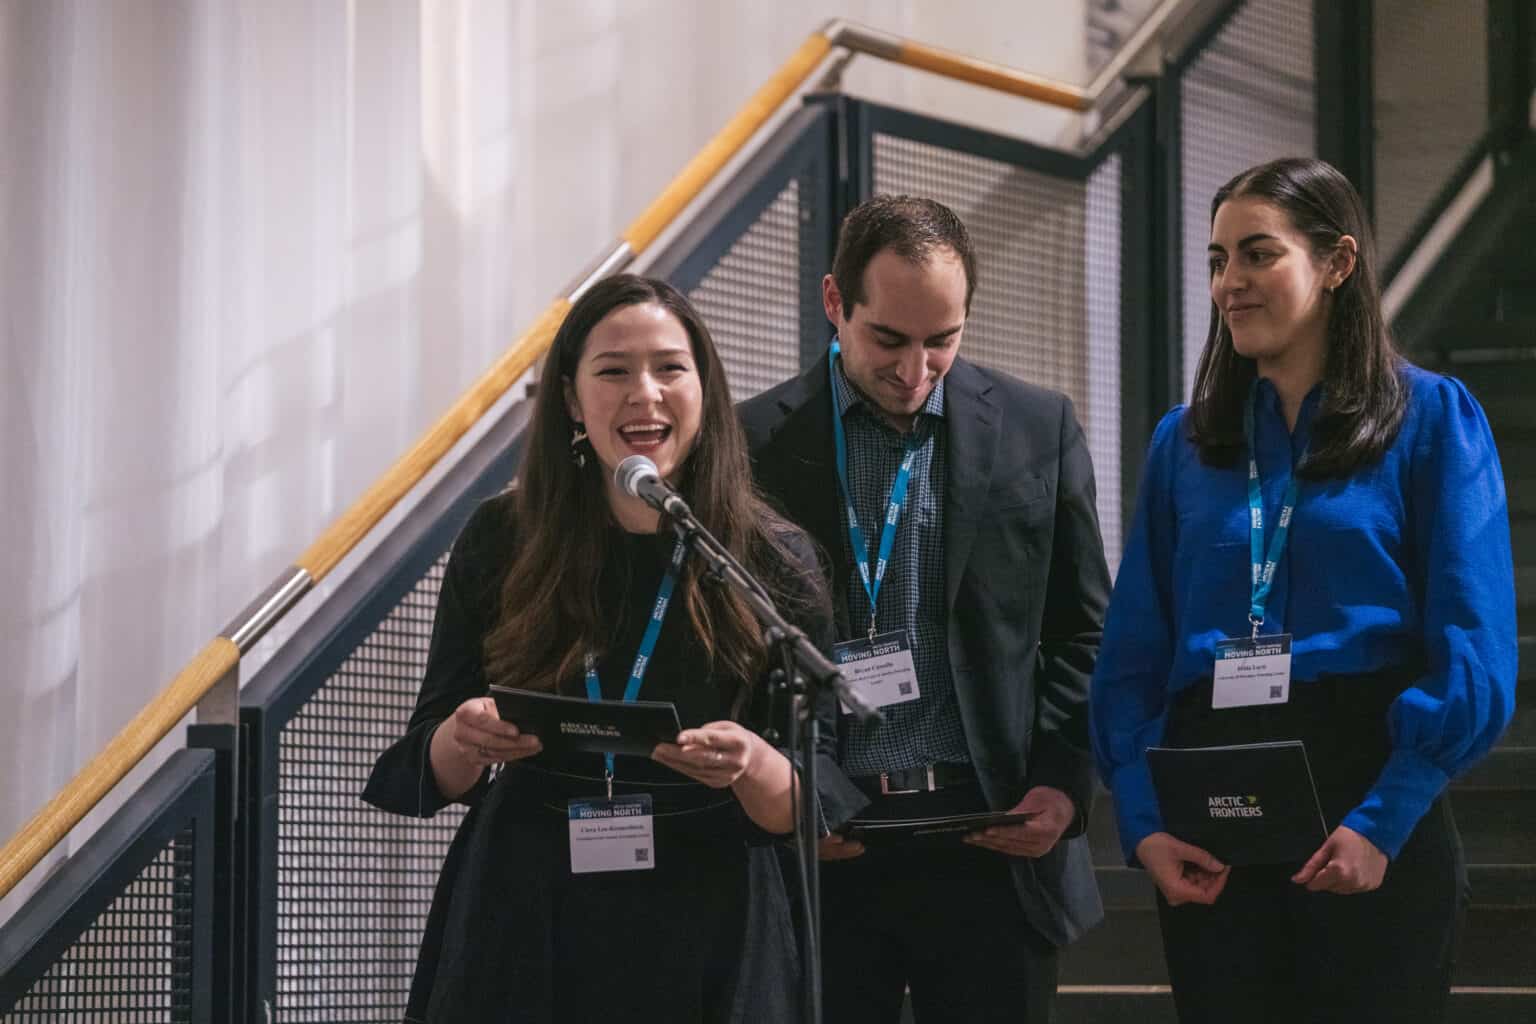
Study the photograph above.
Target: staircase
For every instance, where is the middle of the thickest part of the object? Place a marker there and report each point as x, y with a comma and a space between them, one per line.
1487, 338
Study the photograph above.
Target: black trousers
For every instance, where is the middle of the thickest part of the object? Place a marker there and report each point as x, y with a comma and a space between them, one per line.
1270, 951
943, 919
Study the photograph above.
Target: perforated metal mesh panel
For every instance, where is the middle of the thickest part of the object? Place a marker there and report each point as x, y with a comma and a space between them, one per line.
751, 299
135, 962
1431, 104
1100, 408
354, 883
1248, 98
1030, 315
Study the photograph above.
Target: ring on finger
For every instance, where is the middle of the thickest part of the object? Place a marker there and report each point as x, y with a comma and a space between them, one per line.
719, 757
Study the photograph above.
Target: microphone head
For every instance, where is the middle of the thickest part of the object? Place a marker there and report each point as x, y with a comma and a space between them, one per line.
630, 472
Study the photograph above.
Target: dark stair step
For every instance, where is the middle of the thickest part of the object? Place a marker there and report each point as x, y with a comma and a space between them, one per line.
1126, 949
1516, 294
1513, 422
1493, 886
1123, 888
1103, 834
1503, 886
1135, 1005
1525, 594
1511, 416
1513, 372
1114, 1004
1507, 767
1502, 377
1517, 457
1463, 343
1498, 948
1522, 728
1498, 826
1519, 487
1522, 525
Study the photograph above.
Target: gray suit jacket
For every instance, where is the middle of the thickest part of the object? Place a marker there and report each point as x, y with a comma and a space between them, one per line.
1025, 583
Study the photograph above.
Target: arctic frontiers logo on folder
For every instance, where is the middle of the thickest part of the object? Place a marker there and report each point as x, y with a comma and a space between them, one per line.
596, 726
1253, 803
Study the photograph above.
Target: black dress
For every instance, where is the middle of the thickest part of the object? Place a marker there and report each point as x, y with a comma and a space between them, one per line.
512, 935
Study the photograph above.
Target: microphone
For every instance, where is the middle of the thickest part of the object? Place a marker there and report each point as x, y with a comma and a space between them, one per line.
638, 477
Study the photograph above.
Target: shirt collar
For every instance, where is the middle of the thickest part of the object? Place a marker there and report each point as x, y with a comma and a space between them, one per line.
850, 398
1299, 439
1269, 401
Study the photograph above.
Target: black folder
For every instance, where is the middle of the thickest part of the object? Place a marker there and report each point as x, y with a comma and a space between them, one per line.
597, 726
1254, 803
941, 828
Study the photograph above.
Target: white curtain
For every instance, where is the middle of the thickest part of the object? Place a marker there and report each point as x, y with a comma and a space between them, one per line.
249, 249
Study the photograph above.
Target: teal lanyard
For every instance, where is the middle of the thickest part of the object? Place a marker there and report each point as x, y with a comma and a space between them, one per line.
647, 646
1263, 568
892, 508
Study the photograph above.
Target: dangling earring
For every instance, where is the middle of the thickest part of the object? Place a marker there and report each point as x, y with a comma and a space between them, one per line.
578, 454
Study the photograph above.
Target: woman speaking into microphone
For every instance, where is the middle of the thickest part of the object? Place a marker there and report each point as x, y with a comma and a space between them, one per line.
568, 585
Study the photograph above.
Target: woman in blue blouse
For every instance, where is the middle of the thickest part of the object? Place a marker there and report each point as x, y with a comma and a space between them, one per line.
1392, 577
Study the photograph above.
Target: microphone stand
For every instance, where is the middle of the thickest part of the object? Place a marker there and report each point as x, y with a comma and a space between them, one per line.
806, 673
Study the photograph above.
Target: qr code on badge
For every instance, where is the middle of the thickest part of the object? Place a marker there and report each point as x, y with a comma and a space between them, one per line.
905, 689
642, 856
1274, 693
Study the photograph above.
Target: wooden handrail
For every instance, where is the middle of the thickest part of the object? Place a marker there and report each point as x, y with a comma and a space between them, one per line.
61, 814
72, 803
157, 718
992, 76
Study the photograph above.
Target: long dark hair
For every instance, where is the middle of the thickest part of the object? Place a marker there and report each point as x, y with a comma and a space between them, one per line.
1364, 395
549, 616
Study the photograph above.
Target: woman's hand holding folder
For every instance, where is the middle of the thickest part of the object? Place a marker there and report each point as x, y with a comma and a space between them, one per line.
1184, 873
716, 754
470, 740
1347, 863
725, 754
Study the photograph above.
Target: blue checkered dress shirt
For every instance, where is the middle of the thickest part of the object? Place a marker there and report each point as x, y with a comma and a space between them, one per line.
926, 730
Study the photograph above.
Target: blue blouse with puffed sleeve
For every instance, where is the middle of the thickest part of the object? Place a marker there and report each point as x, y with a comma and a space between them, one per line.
1405, 562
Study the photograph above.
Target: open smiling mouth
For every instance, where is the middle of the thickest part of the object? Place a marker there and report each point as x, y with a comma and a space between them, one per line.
645, 437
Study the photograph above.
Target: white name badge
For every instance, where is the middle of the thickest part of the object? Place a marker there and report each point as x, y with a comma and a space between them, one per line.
1251, 672
612, 835
881, 670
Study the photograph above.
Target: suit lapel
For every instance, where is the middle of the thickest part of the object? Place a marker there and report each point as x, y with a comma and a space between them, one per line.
974, 422
797, 465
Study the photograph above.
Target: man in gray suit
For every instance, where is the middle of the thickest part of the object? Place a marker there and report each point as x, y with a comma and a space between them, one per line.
956, 508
